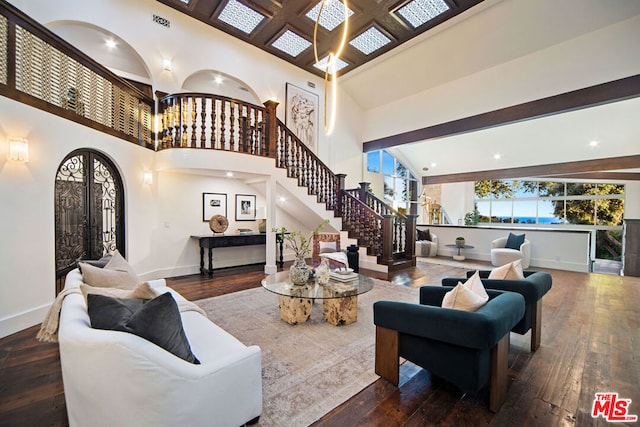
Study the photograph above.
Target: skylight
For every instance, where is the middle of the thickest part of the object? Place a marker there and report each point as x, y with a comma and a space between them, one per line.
418, 12
370, 41
291, 43
340, 64
332, 14
240, 16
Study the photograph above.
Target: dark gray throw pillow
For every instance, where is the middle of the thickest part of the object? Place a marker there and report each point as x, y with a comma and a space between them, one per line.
514, 241
424, 235
100, 263
157, 320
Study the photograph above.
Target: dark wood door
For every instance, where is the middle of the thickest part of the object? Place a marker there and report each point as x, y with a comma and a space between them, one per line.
89, 210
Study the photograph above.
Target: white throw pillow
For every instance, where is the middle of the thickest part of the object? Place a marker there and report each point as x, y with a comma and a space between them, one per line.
141, 291
116, 274
327, 247
463, 298
511, 271
474, 283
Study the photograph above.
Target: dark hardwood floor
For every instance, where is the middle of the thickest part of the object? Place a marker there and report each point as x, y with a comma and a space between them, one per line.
590, 343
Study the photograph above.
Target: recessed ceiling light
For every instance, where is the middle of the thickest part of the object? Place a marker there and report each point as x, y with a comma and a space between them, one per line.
229, 174
332, 14
111, 44
593, 143
282, 198
291, 43
425, 168
240, 16
370, 41
218, 80
433, 165
497, 156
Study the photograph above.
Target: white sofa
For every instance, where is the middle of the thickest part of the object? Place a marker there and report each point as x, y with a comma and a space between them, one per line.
115, 378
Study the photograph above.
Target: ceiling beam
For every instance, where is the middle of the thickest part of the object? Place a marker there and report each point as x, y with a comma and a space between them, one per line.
559, 170
605, 93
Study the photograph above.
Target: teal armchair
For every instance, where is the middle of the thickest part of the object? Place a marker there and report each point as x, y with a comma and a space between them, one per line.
534, 286
467, 349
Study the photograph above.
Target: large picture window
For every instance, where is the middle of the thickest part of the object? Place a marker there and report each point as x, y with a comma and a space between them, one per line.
595, 206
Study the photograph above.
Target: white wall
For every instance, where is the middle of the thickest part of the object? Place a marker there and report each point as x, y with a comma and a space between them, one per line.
27, 271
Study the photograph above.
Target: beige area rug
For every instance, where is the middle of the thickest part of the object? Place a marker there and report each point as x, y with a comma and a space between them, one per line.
310, 368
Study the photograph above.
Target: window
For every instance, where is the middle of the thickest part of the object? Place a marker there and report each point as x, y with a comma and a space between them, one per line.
399, 182
596, 206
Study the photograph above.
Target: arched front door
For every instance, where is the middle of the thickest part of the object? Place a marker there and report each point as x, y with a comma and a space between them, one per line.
89, 210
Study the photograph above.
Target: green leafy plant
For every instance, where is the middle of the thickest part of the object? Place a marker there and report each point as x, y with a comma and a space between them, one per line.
459, 238
298, 242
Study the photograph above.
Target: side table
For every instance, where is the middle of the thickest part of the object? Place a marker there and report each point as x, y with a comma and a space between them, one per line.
459, 256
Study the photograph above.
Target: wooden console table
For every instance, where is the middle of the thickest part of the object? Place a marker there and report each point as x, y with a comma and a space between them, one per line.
222, 241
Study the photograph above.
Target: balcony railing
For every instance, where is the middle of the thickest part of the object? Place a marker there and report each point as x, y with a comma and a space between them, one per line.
40, 69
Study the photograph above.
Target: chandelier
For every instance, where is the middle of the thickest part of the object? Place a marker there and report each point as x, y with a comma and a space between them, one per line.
330, 69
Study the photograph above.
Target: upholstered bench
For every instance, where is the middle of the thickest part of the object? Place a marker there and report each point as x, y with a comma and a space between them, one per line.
534, 286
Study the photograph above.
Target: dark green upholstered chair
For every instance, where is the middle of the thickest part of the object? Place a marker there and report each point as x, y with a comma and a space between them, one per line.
534, 286
467, 349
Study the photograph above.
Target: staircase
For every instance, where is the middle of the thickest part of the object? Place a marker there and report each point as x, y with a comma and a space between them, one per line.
190, 120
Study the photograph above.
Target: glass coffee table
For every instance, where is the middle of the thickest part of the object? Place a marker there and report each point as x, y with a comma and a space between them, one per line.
339, 298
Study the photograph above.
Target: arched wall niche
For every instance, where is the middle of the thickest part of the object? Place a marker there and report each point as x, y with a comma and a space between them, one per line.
105, 47
218, 83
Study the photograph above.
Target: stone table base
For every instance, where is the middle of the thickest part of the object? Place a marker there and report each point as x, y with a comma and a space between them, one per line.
340, 311
294, 310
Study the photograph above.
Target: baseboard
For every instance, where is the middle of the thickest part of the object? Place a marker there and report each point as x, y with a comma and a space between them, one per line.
26, 319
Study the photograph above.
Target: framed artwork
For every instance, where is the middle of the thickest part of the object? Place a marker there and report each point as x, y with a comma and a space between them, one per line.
213, 204
301, 115
245, 207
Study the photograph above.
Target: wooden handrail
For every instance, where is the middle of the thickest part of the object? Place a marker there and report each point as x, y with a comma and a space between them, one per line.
202, 120
311, 172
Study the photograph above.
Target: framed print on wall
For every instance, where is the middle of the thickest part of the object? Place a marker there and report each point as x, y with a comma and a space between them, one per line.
301, 115
213, 204
245, 207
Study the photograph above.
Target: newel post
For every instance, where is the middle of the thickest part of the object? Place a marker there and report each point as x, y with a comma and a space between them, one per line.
364, 190
410, 236
340, 183
387, 239
271, 128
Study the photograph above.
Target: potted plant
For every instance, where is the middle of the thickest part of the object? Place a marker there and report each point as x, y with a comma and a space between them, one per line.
299, 271
460, 242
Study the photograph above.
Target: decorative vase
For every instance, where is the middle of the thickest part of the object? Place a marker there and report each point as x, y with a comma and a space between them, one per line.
299, 272
323, 272
460, 243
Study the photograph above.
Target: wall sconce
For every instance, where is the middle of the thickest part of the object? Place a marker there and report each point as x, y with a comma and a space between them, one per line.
167, 65
19, 149
147, 177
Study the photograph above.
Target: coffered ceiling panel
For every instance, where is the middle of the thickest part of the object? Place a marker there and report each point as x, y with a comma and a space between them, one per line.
285, 28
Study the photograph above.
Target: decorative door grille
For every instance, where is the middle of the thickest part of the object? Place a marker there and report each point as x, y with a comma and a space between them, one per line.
89, 211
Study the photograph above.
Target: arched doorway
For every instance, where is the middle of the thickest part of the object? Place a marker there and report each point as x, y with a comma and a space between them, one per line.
89, 210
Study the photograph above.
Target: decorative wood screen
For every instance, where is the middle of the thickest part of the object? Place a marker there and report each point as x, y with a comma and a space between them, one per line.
3, 48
